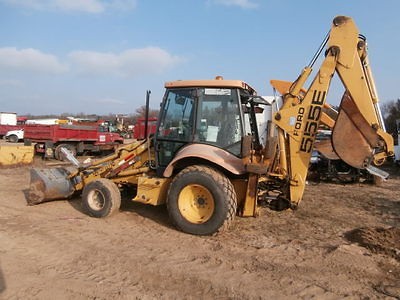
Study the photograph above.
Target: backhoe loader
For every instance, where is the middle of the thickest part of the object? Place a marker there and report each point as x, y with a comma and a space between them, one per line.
206, 162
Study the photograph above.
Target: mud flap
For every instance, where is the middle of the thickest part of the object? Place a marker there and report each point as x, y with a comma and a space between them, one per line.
353, 139
49, 184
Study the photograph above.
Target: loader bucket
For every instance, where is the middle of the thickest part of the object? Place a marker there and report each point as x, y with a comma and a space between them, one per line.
49, 184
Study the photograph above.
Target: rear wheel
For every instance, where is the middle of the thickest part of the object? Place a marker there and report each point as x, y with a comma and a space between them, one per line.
101, 198
61, 156
201, 201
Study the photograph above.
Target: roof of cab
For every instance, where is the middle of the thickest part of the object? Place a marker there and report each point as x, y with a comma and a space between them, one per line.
218, 82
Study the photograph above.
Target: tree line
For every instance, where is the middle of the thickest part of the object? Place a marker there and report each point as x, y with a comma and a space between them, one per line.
128, 119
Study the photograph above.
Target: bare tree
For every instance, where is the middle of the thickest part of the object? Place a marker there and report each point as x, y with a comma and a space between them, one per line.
391, 113
141, 113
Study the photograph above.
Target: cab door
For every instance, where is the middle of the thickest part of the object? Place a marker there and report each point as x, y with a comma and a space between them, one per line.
176, 124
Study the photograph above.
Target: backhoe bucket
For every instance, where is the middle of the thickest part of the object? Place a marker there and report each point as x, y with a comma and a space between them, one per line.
353, 139
49, 184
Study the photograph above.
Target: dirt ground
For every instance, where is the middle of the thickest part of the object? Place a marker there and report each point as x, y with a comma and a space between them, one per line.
342, 243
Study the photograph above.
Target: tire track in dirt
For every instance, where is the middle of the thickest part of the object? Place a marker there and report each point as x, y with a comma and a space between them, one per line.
55, 249
56, 241
153, 262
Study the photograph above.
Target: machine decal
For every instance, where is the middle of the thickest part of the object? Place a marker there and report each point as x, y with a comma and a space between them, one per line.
312, 120
299, 120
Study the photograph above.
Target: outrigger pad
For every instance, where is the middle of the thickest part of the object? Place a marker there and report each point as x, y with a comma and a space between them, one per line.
49, 184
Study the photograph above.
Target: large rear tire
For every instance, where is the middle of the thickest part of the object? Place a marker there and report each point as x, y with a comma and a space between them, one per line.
101, 198
201, 201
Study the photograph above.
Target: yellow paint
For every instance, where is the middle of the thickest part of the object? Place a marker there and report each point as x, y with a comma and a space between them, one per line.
152, 190
196, 203
11, 155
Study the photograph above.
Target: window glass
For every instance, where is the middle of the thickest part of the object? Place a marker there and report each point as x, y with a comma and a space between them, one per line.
201, 115
177, 120
176, 124
218, 121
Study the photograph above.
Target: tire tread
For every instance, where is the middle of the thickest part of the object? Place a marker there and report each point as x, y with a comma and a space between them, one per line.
230, 199
115, 197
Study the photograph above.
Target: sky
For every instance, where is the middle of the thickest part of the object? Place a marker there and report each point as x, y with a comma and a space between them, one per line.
100, 56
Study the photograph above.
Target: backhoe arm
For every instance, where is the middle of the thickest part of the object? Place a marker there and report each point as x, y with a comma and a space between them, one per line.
358, 137
359, 112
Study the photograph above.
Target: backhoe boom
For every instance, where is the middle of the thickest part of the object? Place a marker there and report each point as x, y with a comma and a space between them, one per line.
358, 136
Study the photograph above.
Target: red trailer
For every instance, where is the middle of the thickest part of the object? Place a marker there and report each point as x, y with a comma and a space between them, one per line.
77, 138
139, 130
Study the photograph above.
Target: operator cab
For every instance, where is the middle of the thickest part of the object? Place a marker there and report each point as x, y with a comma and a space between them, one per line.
214, 112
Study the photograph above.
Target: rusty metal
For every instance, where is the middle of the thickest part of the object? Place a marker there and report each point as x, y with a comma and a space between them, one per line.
209, 153
325, 148
49, 184
340, 20
353, 139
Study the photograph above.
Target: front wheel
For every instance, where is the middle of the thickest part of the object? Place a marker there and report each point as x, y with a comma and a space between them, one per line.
201, 201
13, 138
101, 198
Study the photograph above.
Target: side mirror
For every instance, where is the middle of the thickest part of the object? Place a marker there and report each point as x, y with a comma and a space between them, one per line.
259, 100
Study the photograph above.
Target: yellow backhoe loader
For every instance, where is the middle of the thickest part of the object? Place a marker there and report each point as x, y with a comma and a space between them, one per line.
206, 162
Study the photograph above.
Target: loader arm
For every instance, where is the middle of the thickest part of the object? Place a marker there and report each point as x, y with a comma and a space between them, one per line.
358, 137
125, 165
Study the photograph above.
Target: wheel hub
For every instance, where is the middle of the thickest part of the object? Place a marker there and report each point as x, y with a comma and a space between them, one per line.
201, 201
96, 200
196, 203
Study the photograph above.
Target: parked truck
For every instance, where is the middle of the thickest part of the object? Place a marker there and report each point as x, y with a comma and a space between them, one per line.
139, 129
17, 135
77, 139
9, 121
